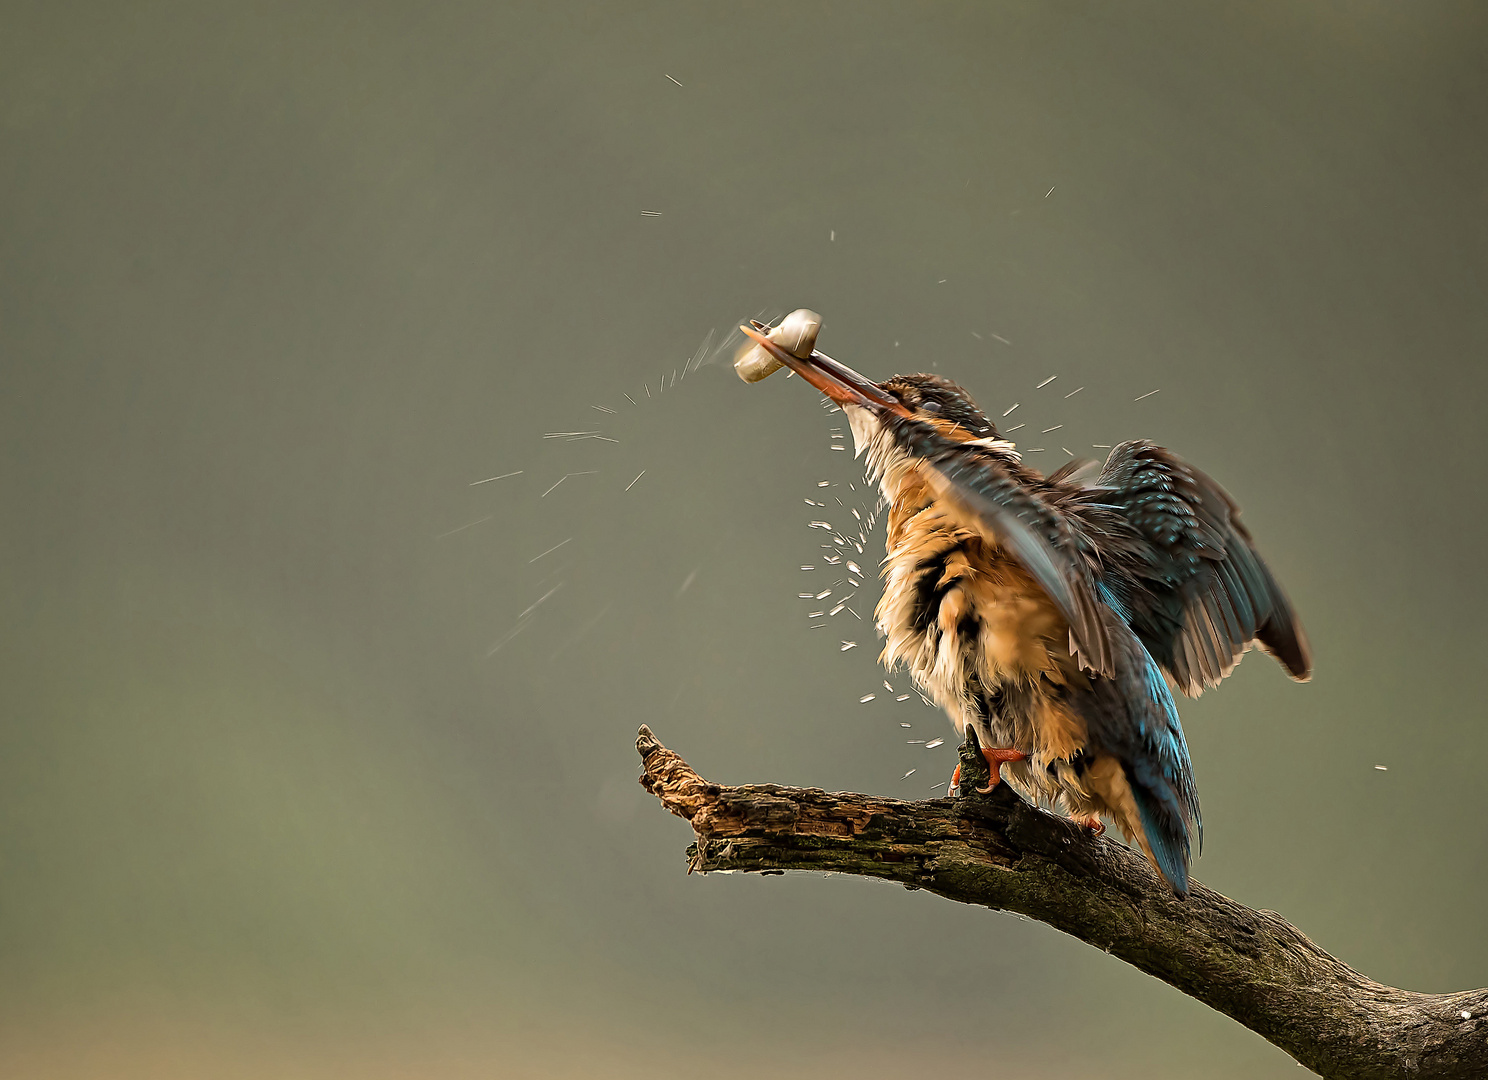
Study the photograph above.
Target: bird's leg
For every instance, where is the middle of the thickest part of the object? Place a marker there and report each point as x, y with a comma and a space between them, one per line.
1091, 822
995, 758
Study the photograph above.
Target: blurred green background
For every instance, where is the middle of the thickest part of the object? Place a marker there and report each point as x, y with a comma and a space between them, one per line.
289, 783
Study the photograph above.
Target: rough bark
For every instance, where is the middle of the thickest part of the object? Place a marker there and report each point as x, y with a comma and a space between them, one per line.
1001, 853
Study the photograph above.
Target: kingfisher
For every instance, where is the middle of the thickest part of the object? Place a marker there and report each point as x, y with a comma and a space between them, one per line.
1054, 615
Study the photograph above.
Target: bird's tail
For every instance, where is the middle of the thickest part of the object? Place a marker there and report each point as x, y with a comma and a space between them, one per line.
1161, 777
1163, 827
1138, 725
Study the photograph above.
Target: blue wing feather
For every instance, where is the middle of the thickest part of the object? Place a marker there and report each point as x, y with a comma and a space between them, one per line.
1196, 591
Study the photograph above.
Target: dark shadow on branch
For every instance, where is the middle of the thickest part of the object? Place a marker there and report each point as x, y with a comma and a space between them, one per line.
1001, 853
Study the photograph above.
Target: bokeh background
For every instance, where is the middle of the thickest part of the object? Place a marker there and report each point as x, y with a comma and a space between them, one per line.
315, 761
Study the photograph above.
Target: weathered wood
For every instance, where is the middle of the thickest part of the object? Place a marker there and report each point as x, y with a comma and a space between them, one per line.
998, 852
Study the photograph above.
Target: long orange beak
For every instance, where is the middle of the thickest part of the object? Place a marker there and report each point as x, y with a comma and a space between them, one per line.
837, 381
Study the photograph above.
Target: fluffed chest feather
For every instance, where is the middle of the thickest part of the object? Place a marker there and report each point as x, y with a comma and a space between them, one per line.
971, 626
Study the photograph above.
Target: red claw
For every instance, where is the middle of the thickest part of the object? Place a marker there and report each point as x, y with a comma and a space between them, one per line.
1091, 822
995, 758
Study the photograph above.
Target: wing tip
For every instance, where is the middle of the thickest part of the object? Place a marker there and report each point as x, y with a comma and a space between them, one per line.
1285, 640
1089, 643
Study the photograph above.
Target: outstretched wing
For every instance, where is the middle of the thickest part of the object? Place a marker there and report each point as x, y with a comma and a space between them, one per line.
984, 489
1194, 590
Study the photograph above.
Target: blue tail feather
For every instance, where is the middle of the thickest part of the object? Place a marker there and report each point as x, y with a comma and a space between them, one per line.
1166, 834
1137, 721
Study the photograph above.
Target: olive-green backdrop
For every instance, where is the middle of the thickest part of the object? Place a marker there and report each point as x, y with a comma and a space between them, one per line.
316, 753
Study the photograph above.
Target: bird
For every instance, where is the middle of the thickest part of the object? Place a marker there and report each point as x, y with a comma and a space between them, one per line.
1053, 616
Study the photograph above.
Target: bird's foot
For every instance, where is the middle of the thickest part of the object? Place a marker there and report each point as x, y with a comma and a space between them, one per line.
995, 759
1091, 822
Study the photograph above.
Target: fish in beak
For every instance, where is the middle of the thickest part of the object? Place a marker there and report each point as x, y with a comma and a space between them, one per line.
837, 381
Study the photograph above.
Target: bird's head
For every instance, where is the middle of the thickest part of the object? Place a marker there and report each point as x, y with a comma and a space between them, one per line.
930, 399
947, 404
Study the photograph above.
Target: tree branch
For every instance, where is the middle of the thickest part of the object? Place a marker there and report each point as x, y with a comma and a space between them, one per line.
1001, 853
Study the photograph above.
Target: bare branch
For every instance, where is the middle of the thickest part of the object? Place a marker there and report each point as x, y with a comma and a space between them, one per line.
998, 852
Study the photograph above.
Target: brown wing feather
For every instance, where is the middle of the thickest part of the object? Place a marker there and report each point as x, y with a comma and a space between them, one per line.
1000, 499
1195, 590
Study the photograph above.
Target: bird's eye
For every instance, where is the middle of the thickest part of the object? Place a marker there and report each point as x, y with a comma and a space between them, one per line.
931, 406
